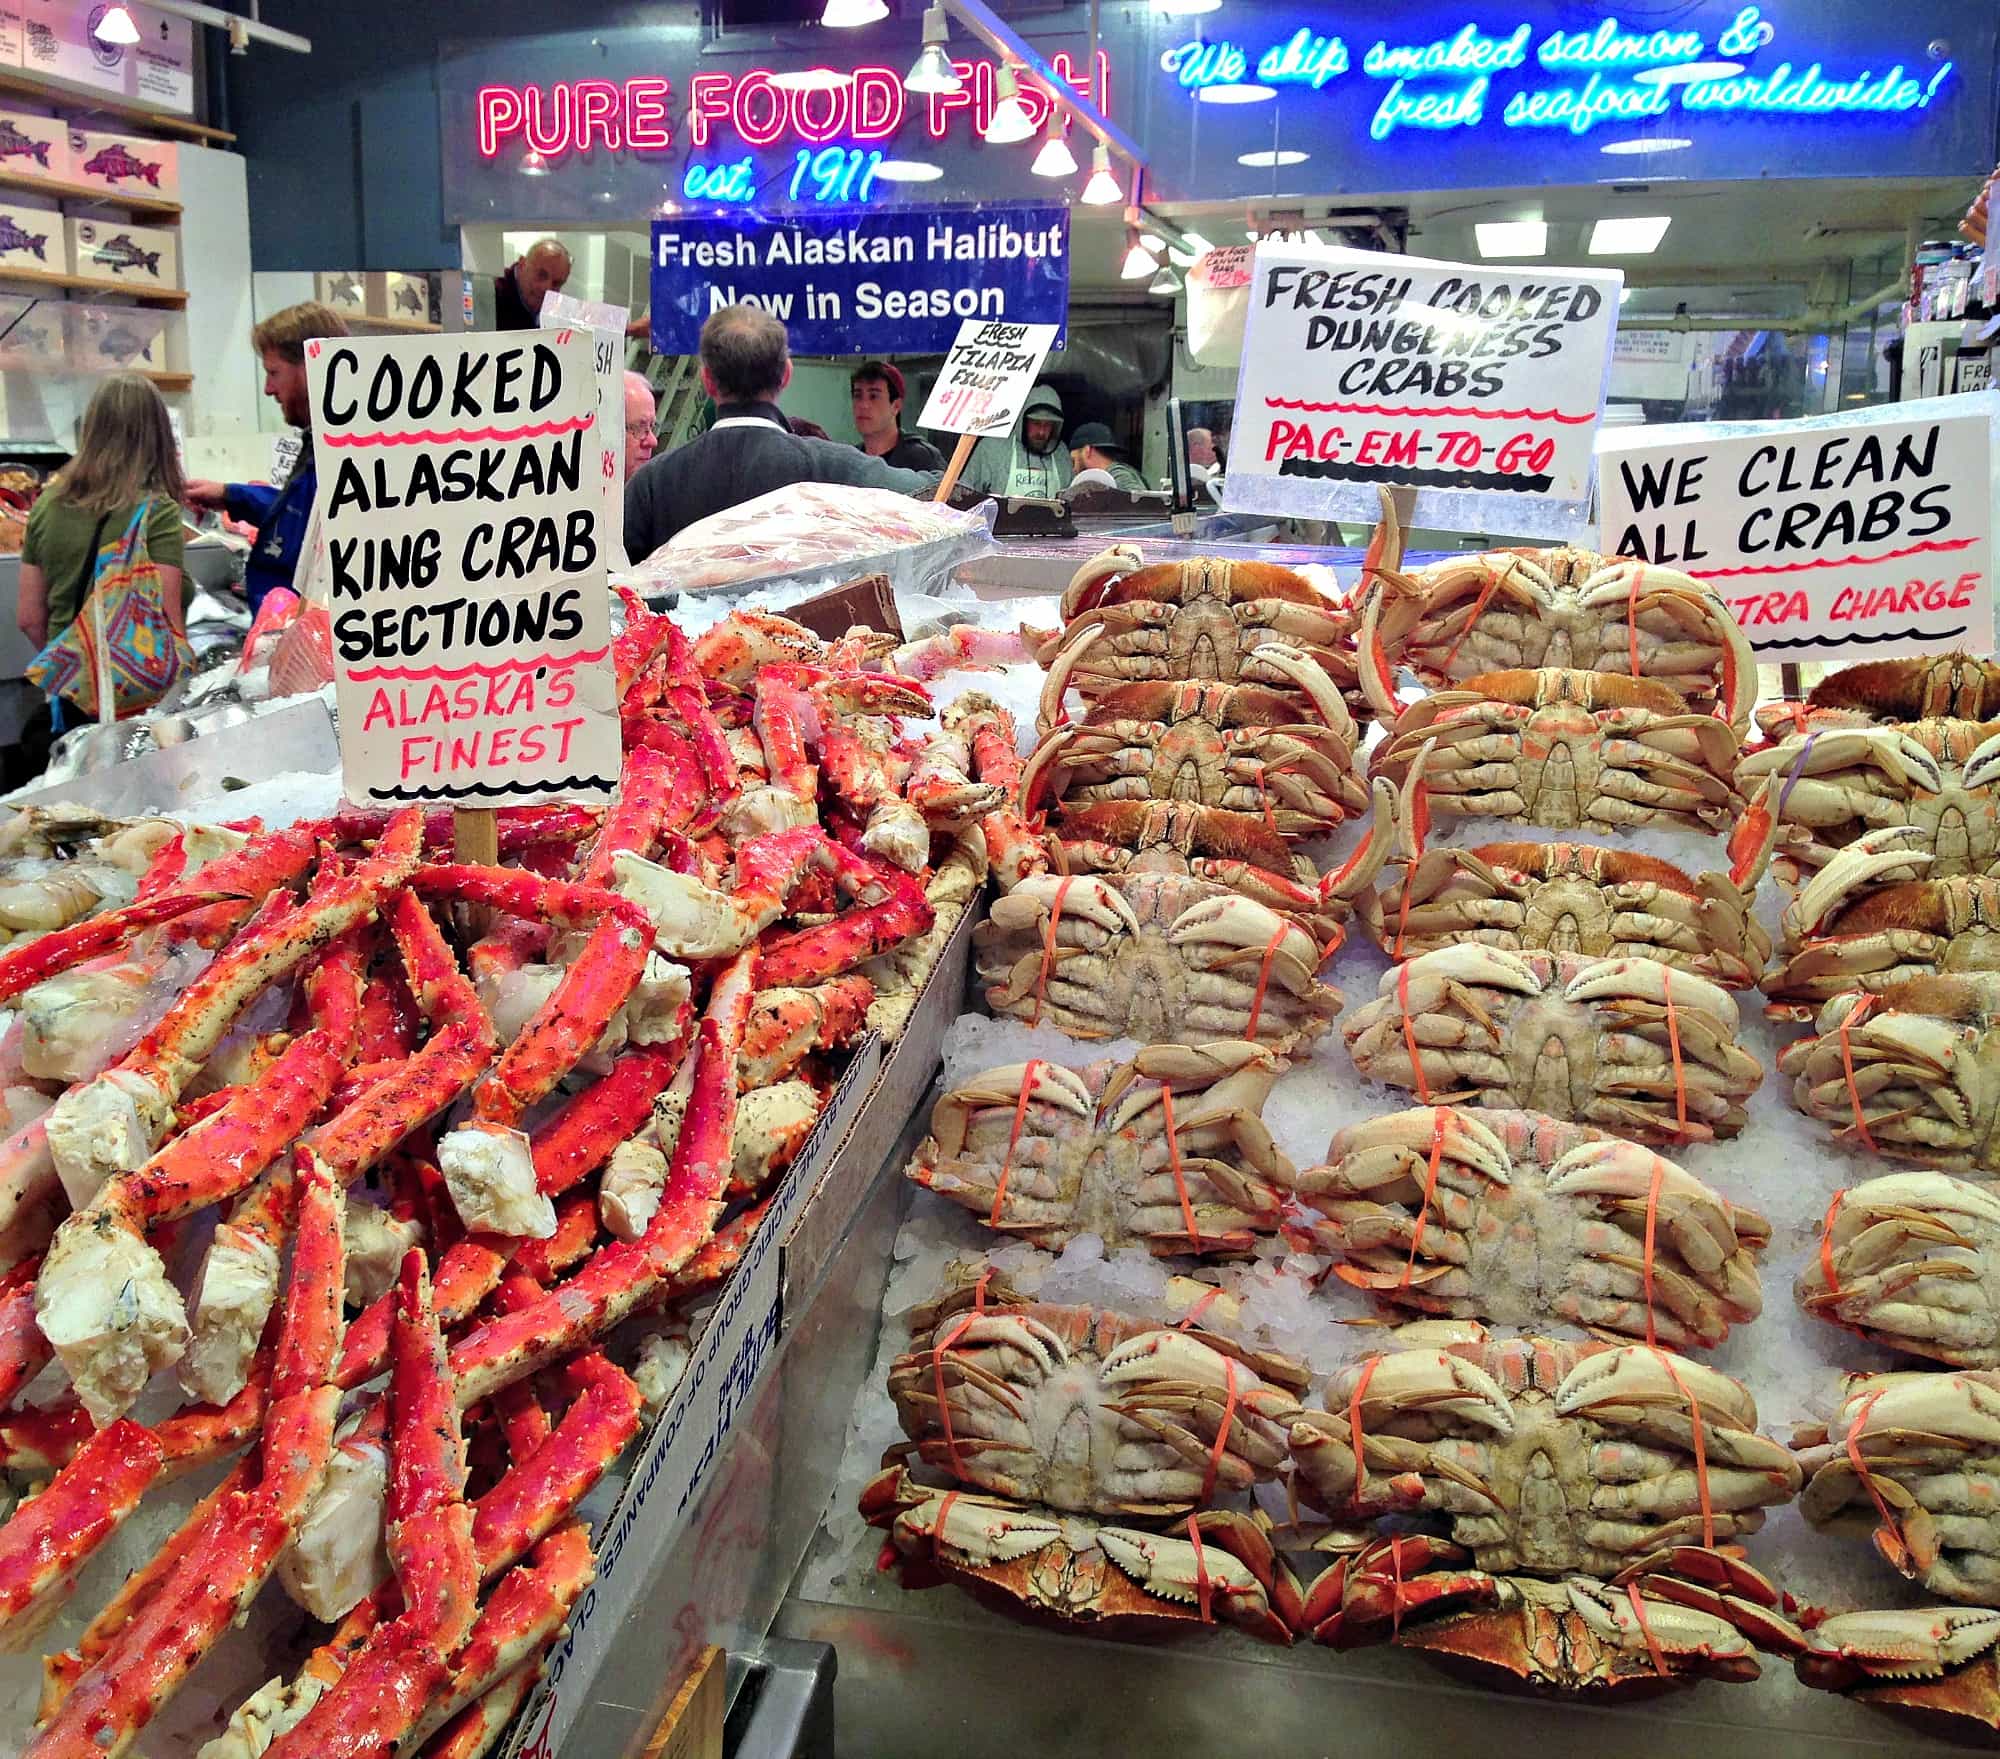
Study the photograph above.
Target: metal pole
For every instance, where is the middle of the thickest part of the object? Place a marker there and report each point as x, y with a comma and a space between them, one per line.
992, 30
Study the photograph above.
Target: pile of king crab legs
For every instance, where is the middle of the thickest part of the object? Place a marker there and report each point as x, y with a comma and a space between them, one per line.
477, 1153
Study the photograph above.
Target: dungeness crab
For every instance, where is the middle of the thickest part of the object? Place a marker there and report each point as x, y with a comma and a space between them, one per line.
1630, 1045
1582, 1489
1516, 1218
1937, 1666
1166, 1151
1069, 1421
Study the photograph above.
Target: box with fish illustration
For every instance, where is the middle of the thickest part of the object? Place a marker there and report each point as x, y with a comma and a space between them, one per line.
111, 338
127, 162
140, 258
32, 238
345, 290
402, 296
34, 146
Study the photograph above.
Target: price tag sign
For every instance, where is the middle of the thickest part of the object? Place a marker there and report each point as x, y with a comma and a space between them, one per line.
461, 516
1867, 535
986, 377
606, 324
1478, 386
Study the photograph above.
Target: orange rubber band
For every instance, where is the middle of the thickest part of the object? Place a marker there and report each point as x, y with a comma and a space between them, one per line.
1202, 1588
1861, 1466
1174, 1162
1410, 1033
1013, 1140
937, 1527
1700, 1448
1854, 1017
1264, 979
1479, 604
1222, 1432
1396, 1578
1826, 1246
1049, 948
1403, 913
1646, 1262
1632, 614
1680, 1074
938, 1353
1646, 1631
1201, 1306
1357, 1439
1438, 1117
1264, 801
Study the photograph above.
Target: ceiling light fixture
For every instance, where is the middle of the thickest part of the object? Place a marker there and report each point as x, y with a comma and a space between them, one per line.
533, 164
845, 15
1139, 261
1267, 158
908, 171
933, 70
1055, 159
1184, 8
1153, 242
1628, 236
1103, 189
116, 26
1687, 73
1010, 123
812, 79
1646, 144
1241, 93
1196, 242
1164, 285
1512, 238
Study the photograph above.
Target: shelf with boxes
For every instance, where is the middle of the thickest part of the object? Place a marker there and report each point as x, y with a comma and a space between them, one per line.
372, 300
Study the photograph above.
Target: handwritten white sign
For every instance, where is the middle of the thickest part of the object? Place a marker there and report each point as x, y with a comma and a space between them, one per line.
606, 324
462, 517
1865, 535
987, 376
1361, 368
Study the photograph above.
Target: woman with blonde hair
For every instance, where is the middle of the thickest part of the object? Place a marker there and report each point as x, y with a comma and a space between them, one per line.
125, 459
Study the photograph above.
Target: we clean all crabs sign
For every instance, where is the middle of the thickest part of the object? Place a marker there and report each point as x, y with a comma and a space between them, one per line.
1857, 536
463, 554
1480, 387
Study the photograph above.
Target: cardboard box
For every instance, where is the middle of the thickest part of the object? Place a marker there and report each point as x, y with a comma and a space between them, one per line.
124, 161
34, 146
136, 258
345, 290
32, 238
407, 297
115, 338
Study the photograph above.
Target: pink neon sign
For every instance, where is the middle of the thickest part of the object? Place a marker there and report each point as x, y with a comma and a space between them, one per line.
636, 115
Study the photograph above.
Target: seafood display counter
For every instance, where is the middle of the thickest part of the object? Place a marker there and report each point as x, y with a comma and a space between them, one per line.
1501, 1194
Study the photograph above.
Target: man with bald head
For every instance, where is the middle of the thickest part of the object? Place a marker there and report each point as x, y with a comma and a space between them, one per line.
538, 271
641, 422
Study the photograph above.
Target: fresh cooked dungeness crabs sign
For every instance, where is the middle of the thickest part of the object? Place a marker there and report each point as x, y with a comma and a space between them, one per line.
1866, 535
1480, 387
461, 505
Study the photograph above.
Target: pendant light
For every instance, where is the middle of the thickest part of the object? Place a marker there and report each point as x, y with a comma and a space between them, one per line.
1140, 263
1055, 159
1010, 123
116, 26
933, 71
1102, 190
844, 15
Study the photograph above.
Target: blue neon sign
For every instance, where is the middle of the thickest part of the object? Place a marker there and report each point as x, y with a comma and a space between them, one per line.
833, 176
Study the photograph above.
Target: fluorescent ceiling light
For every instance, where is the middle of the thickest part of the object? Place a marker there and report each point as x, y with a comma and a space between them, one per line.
1010, 122
1629, 235
812, 79
842, 15
1268, 157
1102, 189
933, 71
1512, 238
908, 171
116, 26
1139, 261
1646, 144
1184, 8
1687, 73
1236, 94
1055, 159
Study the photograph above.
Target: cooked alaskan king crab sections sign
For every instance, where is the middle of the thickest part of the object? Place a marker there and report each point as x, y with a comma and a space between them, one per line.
1859, 536
461, 507
1452, 379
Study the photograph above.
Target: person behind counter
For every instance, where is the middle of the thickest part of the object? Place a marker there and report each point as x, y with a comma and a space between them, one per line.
876, 391
1097, 449
1030, 461
538, 271
1203, 460
279, 514
746, 364
642, 422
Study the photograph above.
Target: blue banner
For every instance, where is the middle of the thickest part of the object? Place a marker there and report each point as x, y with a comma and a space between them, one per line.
896, 282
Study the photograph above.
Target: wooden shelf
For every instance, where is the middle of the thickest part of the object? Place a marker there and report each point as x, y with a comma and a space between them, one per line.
64, 95
145, 207
173, 298
361, 320
169, 381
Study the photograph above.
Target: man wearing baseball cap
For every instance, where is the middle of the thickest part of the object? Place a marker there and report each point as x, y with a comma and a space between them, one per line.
876, 388
1097, 448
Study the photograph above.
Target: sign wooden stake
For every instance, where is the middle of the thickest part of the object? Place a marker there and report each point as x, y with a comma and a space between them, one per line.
475, 840
692, 1725
960, 456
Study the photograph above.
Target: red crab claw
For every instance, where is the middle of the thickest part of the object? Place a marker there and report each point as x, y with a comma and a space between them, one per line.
47, 955
894, 909
1361, 1599
657, 792
1751, 842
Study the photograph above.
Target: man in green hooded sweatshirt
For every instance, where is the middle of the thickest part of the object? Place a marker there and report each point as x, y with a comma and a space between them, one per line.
1030, 461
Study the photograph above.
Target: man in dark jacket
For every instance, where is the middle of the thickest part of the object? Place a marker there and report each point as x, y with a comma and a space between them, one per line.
745, 365
538, 271
280, 513
876, 390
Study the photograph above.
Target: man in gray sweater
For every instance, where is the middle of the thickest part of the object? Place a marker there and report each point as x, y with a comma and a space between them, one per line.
746, 364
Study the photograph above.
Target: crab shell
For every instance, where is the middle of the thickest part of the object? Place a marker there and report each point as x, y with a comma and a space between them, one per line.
1630, 1045
1160, 957
1520, 1219
1928, 687
1566, 749
1913, 1072
1545, 1457
1934, 1666
1508, 609
1093, 1154
1076, 1573
1571, 898
1912, 1261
